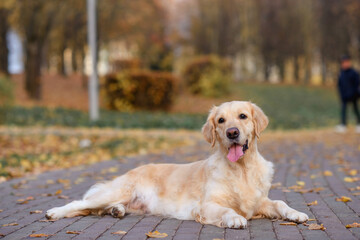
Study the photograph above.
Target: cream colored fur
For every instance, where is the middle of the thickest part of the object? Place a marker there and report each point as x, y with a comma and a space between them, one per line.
212, 191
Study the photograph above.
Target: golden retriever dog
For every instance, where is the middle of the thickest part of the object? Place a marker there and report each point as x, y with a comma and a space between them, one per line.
226, 190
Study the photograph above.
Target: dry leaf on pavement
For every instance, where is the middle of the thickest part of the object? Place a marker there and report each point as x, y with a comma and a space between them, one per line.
63, 197
288, 224
312, 203
353, 172
39, 235
328, 173
119, 232
10, 224
343, 199
315, 226
300, 183
73, 232
156, 234
58, 192
353, 225
36, 211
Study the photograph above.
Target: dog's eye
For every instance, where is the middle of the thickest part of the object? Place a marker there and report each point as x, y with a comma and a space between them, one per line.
242, 116
221, 120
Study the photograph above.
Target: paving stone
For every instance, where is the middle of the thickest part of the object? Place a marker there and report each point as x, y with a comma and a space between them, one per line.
292, 162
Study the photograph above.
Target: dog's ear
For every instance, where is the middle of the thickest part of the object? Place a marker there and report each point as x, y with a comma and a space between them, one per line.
208, 129
260, 119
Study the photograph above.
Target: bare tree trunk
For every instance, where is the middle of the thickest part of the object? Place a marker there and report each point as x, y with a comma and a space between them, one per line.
281, 66
33, 70
74, 64
4, 51
61, 63
267, 72
296, 70
84, 78
323, 71
308, 75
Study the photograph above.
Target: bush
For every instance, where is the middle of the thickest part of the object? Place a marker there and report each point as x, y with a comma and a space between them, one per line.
6, 91
214, 83
207, 72
6, 96
139, 90
125, 64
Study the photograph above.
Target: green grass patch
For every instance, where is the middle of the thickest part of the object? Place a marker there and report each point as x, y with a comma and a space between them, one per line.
40, 116
288, 107
294, 107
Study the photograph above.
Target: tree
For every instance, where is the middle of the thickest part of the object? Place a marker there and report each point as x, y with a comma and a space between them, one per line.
4, 28
69, 32
217, 30
34, 20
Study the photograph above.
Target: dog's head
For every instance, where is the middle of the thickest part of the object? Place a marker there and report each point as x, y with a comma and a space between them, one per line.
234, 126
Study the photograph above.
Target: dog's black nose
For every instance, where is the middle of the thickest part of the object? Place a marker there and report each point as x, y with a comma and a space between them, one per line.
232, 133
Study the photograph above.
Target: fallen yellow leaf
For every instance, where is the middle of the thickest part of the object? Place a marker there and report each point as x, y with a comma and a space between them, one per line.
348, 179
119, 232
328, 173
10, 224
295, 187
353, 172
318, 189
156, 234
300, 183
50, 181
73, 232
311, 219
22, 201
355, 188
112, 169
63, 197
312, 203
343, 199
276, 185
288, 224
39, 235
315, 226
36, 211
58, 192
353, 225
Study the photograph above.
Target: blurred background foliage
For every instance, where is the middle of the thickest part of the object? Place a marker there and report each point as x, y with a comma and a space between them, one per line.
176, 58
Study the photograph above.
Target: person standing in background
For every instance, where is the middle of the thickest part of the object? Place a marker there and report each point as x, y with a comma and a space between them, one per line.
349, 91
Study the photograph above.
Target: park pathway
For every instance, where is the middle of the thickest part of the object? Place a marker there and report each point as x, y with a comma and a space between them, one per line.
310, 166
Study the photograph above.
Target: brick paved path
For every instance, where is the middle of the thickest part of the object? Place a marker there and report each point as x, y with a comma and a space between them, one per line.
296, 158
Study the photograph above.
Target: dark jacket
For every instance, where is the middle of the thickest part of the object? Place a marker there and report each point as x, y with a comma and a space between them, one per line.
348, 84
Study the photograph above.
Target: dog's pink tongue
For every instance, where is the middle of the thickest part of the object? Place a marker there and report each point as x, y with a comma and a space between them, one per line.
235, 152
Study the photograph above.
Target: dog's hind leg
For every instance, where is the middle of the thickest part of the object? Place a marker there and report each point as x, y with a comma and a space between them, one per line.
99, 197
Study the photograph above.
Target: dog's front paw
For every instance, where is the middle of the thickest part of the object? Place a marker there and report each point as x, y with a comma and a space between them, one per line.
54, 213
234, 221
296, 216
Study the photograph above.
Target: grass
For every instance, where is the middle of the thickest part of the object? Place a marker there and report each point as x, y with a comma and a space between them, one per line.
21, 116
294, 107
288, 107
